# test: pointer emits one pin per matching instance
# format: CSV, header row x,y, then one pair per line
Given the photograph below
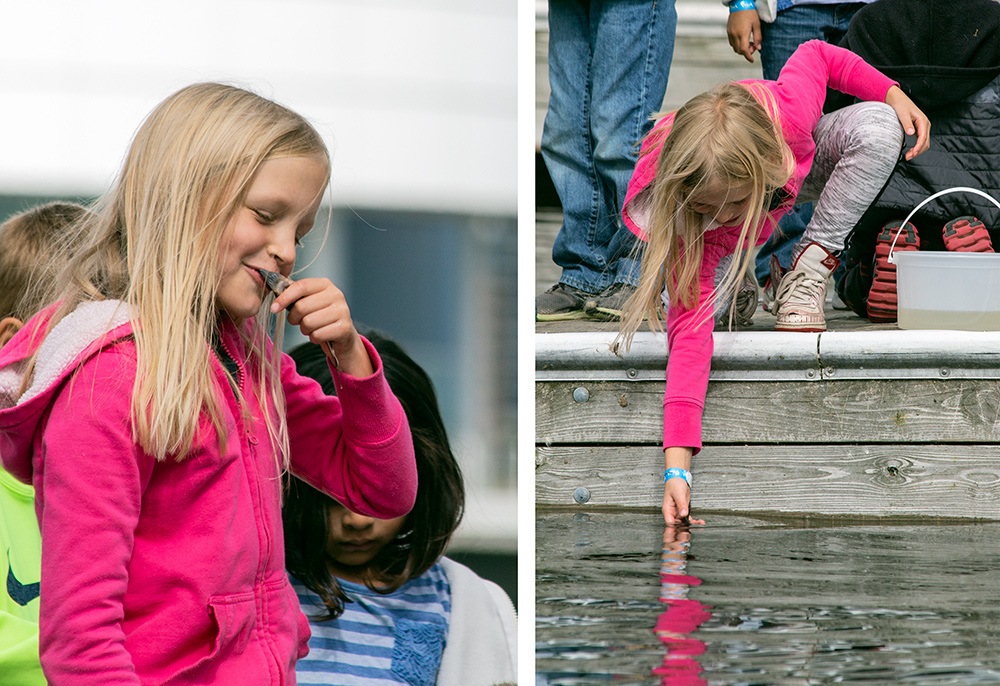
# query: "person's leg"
x,y
779,39
633,47
566,145
856,150
791,28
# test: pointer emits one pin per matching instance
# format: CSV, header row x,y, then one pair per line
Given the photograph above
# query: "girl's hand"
x,y
913,120
320,311
676,492
743,28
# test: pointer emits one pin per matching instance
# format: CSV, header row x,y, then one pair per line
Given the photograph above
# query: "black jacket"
x,y
945,54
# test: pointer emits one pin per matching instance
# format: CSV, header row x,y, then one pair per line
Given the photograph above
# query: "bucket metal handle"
x,y
956,189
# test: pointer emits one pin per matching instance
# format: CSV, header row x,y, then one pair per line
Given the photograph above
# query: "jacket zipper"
x,y
263,620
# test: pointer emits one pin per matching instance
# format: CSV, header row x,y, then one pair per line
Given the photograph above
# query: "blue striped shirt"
x,y
380,639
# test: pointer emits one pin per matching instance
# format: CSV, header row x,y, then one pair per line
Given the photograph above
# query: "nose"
x,y
282,246
353,520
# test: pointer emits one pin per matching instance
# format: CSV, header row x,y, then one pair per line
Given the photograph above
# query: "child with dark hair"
x,y
385,606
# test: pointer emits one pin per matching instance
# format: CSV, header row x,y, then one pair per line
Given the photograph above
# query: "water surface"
x,y
745,601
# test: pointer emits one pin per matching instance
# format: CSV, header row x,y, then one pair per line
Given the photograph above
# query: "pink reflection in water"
x,y
682,617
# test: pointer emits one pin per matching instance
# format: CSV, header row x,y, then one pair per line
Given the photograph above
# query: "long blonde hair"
x,y
155,242
728,135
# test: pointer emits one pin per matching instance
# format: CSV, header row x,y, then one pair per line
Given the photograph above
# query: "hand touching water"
x,y
676,492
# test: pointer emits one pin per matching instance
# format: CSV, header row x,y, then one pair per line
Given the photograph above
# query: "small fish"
x,y
277,285
275,281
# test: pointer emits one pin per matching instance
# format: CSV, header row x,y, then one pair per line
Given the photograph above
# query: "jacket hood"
x,y
940,51
89,328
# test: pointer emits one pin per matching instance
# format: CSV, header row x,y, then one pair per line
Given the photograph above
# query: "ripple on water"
x,y
777,603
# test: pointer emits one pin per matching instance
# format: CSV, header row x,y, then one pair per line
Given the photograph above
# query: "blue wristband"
x,y
675,473
739,5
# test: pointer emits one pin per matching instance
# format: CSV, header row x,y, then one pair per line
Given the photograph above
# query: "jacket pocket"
x,y
234,617
234,614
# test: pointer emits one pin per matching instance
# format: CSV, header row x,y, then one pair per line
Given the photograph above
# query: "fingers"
x,y
743,31
318,308
676,497
923,129
913,120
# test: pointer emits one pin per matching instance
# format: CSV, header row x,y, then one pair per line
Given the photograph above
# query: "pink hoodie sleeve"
x,y
356,447
92,476
689,339
802,83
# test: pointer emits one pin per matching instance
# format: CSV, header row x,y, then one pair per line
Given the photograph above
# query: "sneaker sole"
x,y
561,316
966,234
604,315
882,300
805,328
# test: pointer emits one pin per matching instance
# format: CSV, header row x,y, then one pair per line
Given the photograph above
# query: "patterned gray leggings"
x,y
856,150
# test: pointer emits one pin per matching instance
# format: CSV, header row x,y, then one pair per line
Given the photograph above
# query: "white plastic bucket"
x,y
947,290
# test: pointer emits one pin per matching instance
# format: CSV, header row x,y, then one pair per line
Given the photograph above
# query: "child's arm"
x,y
356,446
92,479
689,338
813,67
803,81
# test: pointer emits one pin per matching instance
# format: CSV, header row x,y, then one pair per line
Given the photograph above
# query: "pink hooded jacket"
x,y
798,93
173,572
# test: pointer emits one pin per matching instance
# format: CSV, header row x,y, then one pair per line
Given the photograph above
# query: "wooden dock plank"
x,y
869,411
852,480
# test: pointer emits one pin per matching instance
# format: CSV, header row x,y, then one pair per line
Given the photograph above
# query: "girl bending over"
x,y
714,178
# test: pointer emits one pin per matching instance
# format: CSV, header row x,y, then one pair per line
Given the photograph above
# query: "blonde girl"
x,y
154,415
714,178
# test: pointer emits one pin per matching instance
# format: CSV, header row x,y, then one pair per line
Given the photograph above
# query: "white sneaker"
x,y
801,295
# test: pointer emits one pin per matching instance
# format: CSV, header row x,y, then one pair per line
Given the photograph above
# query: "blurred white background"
x,y
417,102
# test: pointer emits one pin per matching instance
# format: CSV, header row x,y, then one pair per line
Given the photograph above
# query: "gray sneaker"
x,y
747,298
608,304
746,304
561,302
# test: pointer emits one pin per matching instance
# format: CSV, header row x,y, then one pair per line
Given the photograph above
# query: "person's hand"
x,y
676,503
743,29
676,492
913,120
320,311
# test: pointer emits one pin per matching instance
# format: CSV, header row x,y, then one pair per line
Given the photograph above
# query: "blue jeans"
x,y
608,67
791,28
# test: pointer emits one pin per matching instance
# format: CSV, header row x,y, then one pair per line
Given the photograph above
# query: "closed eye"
x,y
262,216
